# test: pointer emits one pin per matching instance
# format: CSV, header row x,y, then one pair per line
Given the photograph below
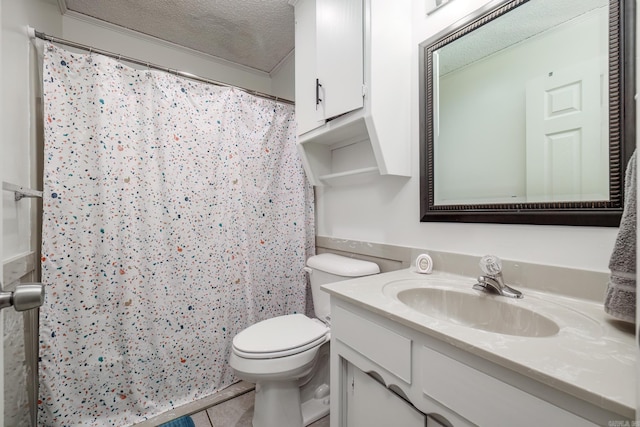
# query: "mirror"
x,y
527,113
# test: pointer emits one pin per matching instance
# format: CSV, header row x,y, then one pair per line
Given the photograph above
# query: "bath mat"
x,y
180,422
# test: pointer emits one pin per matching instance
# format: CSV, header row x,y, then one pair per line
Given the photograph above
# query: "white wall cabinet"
x,y
339,53
353,63
440,385
308,116
329,60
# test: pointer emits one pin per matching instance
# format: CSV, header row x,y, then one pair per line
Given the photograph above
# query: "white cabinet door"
x,y
340,53
308,116
370,404
329,60
471,394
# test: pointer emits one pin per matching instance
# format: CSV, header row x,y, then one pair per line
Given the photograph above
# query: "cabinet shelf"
x,y
349,127
349,176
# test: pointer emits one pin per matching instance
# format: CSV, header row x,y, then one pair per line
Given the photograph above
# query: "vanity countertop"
x,y
598,366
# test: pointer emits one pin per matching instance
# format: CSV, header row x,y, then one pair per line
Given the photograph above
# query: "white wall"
x,y
17,134
283,77
387,210
17,140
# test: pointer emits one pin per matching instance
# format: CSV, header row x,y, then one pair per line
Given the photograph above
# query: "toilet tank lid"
x,y
342,266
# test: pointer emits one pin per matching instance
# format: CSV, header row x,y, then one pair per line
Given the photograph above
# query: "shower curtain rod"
x,y
37,34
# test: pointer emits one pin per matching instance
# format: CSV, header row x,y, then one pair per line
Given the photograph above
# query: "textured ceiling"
x,y
528,20
255,33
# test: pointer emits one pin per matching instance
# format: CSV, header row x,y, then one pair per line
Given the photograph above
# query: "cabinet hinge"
x,y
364,90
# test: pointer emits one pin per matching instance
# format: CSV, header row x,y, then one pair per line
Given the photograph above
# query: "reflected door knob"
x,y
25,297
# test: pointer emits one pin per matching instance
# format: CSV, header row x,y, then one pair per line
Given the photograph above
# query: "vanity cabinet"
x,y
370,404
437,383
352,88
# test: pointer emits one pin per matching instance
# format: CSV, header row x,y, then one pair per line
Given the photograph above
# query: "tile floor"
x,y
230,407
236,412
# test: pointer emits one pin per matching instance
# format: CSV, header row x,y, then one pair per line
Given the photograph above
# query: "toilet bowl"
x,y
287,357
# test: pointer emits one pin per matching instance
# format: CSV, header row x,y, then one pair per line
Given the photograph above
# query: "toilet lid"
x,y
280,336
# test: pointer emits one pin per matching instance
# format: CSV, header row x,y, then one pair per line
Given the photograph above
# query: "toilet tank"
x,y
329,268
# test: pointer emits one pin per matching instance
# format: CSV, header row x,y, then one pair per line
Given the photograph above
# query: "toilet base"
x,y
314,409
278,404
295,397
315,392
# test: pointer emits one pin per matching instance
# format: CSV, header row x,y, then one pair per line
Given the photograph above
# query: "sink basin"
x,y
443,301
486,312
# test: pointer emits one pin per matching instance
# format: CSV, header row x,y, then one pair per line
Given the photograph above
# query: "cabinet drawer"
x,y
386,348
485,400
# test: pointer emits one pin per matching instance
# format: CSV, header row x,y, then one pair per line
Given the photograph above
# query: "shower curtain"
x,y
176,214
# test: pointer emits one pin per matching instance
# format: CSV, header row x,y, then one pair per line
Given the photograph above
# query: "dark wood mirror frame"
x,y
622,132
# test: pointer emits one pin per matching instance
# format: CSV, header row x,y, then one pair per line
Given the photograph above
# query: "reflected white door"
x,y
567,134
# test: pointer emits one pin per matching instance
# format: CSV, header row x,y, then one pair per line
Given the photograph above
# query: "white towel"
x,y
620,299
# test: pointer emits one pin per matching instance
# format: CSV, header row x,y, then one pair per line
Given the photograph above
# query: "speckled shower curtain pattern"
x,y
175,214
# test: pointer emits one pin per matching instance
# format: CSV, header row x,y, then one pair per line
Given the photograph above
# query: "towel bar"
x,y
21,192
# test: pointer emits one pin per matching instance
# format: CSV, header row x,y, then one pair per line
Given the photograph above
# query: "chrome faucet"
x,y
492,280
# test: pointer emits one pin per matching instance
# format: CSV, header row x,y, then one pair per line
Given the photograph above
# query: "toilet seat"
x,y
279,337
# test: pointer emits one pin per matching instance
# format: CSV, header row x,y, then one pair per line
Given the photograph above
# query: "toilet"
x,y
287,357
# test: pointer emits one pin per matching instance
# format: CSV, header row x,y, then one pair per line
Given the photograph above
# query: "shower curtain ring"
x,y
119,65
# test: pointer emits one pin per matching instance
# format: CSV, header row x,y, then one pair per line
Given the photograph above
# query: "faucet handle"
x,y
491,264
